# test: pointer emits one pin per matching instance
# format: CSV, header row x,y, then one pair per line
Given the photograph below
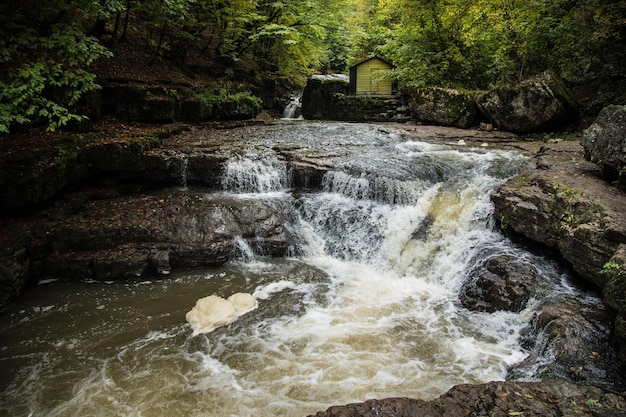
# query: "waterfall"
x,y
184,169
366,306
292,109
243,251
255,174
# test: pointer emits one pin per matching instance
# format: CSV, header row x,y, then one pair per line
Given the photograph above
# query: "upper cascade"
x,y
255,174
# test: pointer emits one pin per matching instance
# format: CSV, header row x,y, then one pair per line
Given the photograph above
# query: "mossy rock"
x,y
615,297
443,106
540,103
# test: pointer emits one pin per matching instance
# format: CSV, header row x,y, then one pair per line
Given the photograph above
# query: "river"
x,y
366,305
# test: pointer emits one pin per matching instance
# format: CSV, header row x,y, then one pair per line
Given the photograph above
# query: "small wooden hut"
x,y
371,77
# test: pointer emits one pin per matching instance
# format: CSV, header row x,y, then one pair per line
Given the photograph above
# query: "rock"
x,y
501,283
364,108
561,206
537,104
561,203
14,274
605,143
317,97
26,182
615,296
143,104
158,104
148,234
548,398
558,332
441,106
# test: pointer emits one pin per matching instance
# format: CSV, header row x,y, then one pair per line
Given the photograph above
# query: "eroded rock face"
x,y
615,295
536,104
503,283
158,104
549,398
133,236
563,203
605,143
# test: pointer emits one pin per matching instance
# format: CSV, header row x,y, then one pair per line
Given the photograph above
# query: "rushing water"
x,y
367,306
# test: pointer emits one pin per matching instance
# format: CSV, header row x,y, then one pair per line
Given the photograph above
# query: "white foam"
x,y
213,311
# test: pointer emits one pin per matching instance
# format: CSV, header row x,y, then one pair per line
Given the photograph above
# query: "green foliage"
x,y
45,54
485,43
610,269
223,91
47,47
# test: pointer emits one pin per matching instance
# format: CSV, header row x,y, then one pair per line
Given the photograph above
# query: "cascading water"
x,y
292,109
258,174
368,309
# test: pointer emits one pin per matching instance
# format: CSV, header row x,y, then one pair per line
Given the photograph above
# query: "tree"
x,y
45,53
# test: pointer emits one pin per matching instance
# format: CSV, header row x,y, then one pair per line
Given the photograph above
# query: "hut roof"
x,y
373,57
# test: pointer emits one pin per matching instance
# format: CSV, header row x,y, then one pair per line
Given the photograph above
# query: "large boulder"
x,y
317,98
442,106
571,340
539,103
502,283
605,143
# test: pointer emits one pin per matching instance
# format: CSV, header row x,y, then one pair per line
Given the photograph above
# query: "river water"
x,y
365,307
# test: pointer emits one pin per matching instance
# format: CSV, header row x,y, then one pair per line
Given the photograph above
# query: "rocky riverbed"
x,y
102,215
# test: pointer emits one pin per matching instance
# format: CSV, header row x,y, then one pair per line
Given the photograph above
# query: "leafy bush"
x,y
45,59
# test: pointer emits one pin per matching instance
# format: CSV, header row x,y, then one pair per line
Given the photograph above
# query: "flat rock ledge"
x,y
547,398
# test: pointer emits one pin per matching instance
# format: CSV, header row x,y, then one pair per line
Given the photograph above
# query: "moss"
x,y
615,291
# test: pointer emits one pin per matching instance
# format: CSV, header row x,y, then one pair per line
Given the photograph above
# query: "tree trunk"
x,y
126,17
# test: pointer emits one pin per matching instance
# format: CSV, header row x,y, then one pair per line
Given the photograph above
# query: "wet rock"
x,y
14,274
502,283
550,398
537,104
572,340
446,107
149,234
564,204
615,295
605,143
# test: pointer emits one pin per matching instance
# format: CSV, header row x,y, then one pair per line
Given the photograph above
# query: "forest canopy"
x,y
47,49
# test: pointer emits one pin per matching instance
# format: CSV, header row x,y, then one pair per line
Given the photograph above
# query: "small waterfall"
x,y
292,109
184,169
374,187
243,251
255,174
